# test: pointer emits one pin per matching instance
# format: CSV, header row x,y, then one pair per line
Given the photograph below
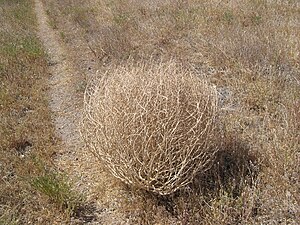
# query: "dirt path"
x,y
100,189
62,81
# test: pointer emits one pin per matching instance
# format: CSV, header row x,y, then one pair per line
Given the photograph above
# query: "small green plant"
x,y
62,35
256,19
2,69
228,17
81,86
48,12
55,187
52,24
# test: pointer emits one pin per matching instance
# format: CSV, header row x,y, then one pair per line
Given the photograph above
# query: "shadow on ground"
x,y
235,168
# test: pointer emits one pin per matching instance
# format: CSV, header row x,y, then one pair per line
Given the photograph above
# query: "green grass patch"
x,y
55,187
28,45
228,17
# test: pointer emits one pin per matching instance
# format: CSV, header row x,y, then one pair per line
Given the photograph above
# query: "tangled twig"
x,y
152,126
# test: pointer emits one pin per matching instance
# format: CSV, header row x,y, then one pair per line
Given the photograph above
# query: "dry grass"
x,y
28,140
154,128
250,51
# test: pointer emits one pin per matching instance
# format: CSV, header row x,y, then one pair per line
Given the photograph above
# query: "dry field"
x,y
32,191
248,49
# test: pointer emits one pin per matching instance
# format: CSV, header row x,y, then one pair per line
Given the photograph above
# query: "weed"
x,y
56,188
256,19
1,68
228,17
173,116
62,35
81,86
52,24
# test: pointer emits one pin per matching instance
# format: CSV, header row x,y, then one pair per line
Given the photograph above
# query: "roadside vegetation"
x,y
32,191
250,51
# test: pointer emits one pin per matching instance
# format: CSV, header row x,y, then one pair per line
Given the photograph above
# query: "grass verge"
x,y
29,192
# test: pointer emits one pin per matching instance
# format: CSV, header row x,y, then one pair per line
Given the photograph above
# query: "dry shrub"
x,y
153,127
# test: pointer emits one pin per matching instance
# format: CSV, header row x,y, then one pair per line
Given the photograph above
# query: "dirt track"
x,y
66,104
62,91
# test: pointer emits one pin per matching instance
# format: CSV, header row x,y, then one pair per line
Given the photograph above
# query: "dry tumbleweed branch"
x,y
152,126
